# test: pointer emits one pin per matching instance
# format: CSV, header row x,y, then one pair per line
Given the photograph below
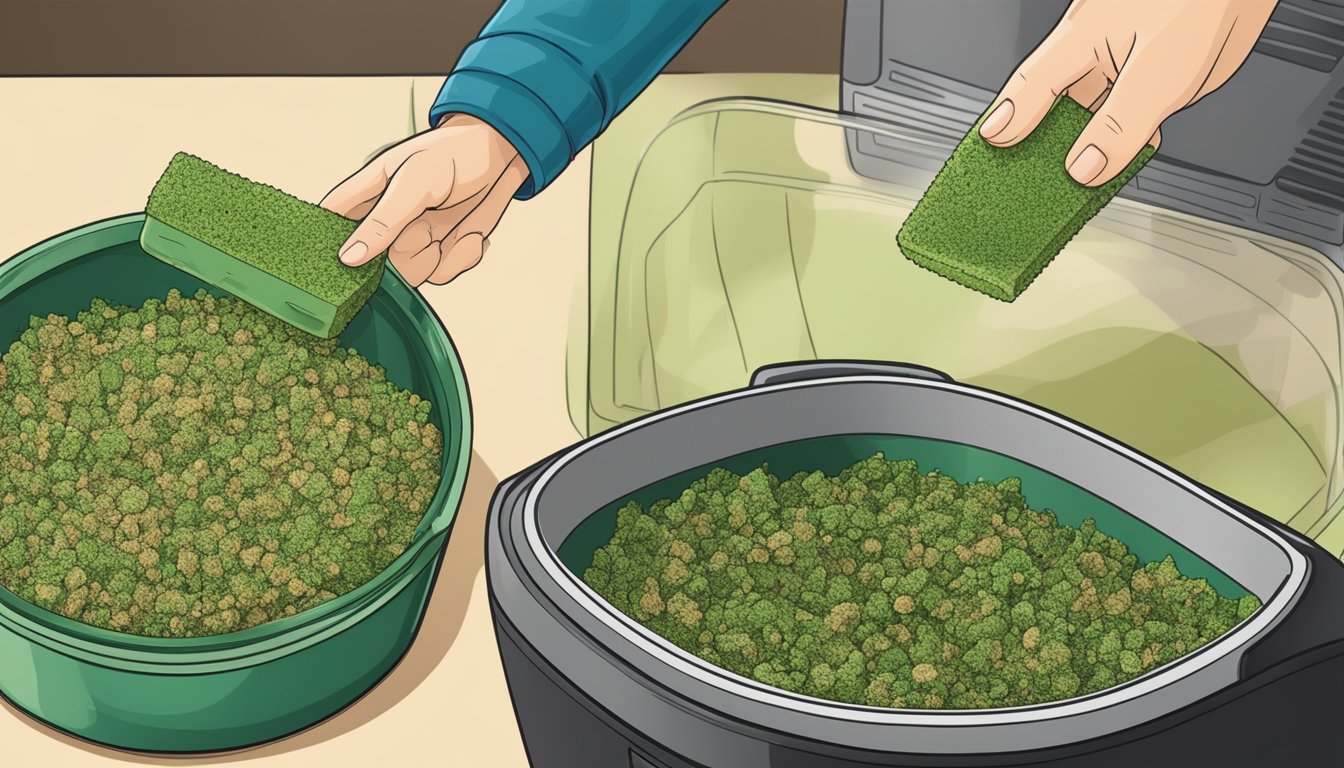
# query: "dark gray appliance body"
x,y
590,688
1266,151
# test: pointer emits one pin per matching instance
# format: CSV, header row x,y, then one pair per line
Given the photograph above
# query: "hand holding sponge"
x,y
994,217
266,247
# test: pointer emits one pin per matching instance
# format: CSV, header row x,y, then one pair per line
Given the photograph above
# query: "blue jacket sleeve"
x,y
550,75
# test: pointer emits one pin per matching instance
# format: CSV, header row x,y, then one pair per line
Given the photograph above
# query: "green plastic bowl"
x,y
244,688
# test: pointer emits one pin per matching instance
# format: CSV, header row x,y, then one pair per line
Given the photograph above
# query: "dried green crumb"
x,y
900,589
195,467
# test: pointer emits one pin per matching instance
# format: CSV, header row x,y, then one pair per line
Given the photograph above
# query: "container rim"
x,y
293,633
683,663
795,111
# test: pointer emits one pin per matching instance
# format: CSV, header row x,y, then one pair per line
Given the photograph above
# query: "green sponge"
x,y
266,247
994,217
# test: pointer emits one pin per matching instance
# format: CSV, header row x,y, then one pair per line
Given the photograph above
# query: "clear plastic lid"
x,y
748,239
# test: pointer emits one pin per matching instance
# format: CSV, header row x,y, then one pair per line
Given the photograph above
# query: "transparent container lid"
x,y
748,239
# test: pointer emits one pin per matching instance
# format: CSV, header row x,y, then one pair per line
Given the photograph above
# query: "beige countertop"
x,y
76,150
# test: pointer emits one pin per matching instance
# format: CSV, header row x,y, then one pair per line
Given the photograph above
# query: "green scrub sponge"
x,y
994,217
264,246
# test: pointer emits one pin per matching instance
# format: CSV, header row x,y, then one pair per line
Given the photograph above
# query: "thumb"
x,y
356,192
404,200
1122,126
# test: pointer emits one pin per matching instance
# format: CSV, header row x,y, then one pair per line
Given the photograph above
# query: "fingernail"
x,y
354,253
997,120
1088,165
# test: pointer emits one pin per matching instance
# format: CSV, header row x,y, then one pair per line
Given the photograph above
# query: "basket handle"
x,y
781,373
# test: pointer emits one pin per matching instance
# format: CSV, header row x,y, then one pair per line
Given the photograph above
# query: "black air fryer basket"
x,y
591,687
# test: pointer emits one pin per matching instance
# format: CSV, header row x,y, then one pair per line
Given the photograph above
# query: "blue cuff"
x,y
534,93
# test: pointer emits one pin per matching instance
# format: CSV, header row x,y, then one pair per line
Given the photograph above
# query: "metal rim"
x,y
683,663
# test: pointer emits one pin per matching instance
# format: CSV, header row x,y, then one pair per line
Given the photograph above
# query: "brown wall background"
x,y
357,37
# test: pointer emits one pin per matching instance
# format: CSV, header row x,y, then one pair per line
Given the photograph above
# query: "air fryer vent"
x,y
1309,34
1279,172
1318,162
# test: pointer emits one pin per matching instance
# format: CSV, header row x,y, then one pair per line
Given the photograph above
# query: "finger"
x,y
404,200
361,210
1028,95
1143,96
412,240
1090,90
354,196
359,190
442,221
467,251
416,268
480,222
430,229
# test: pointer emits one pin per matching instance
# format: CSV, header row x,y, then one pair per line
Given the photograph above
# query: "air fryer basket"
x,y
643,694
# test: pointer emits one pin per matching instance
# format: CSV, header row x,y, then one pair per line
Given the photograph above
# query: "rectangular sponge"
x,y
994,217
266,247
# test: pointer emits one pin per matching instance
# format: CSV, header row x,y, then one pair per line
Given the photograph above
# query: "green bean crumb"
x,y
195,467
888,587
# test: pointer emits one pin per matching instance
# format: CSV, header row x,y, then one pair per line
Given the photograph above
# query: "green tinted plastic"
x,y
229,691
963,463
747,238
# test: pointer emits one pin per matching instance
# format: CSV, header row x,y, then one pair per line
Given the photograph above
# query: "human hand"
x,y
1134,63
431,201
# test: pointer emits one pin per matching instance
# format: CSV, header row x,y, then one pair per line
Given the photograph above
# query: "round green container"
x,y
245,688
